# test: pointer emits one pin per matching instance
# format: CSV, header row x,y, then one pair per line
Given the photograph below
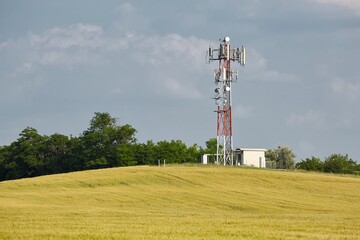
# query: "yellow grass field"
x,y
181,202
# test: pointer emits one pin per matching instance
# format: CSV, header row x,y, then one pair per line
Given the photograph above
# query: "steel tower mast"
x,y
223,77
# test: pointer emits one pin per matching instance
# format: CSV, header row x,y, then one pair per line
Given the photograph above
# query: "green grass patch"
x,y
181,202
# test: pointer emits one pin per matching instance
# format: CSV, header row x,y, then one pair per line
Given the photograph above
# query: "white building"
x,y
208,158
252,157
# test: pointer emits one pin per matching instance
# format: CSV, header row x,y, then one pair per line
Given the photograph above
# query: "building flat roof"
x,y
252,149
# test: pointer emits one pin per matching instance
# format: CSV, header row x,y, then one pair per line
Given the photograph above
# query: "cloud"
x,y
241,111
79,43
175,63
351,4
257,69
126,8
346,89
163,59
179,90
167,58
310,118
70,46
3,45
78,35
170,48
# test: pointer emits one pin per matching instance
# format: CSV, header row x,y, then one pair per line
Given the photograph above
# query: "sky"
x,y
144,63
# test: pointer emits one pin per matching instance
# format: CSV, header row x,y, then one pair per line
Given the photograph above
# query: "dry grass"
x,y
181,202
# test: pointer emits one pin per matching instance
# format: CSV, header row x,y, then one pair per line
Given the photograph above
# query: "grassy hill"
x,y
181,202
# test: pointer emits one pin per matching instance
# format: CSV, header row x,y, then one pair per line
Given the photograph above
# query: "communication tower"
x,y
223,77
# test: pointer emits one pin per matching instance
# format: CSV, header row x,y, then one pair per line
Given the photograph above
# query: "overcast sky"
x,y
144,63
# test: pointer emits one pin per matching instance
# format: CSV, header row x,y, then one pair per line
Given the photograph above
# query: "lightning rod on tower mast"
x,y
223,77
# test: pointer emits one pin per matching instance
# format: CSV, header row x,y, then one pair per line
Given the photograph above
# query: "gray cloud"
x,y
351,4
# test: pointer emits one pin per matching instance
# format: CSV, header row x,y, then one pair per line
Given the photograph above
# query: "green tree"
x,y
337,163
4,152
172,152
176,151
25,157
74,159
311,164
56,150
211,146
145,154
103,139
194,153
283,157
127,155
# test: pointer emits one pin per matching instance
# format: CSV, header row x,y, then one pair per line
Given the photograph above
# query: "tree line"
x,y
335,163
104,144
284,158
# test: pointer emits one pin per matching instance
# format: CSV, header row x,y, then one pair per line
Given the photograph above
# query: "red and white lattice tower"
x,y
224,76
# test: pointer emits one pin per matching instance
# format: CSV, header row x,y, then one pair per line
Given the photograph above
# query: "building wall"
x,y
204,159
253,157
208,158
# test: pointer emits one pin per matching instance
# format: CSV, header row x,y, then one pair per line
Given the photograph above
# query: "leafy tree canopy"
x,y
311,164
211,146
105,143
337,163
283,157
